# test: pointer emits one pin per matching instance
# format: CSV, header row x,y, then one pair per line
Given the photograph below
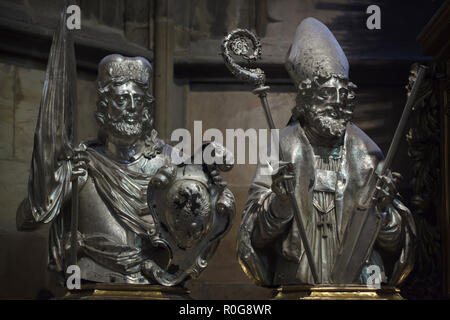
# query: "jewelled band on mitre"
x,y
119,69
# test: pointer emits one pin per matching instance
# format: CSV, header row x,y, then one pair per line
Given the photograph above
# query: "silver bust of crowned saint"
x,y
331,165
141,217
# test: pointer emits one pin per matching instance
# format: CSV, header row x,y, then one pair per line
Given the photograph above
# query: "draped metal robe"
x,y
270,249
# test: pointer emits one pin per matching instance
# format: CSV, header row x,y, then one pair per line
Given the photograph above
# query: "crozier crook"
x,y
237,43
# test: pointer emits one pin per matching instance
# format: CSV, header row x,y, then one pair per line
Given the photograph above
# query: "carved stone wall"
x,y
182,39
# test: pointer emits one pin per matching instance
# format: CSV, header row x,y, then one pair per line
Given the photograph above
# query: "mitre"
x,y
315,52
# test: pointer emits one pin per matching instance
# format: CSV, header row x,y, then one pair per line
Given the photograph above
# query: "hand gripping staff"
x,y
237,43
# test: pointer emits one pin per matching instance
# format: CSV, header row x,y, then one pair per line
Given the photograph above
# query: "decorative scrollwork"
x,y
240,47
238,43
423,141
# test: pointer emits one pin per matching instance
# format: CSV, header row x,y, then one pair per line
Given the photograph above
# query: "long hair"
x,y
104,100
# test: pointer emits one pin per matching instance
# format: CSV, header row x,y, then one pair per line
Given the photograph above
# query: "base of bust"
x,y
118,291
336,292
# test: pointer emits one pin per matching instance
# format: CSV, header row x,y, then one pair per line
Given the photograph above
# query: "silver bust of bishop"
x,y
329,160
143,218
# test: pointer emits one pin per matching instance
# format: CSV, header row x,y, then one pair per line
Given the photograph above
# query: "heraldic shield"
x,y
191,214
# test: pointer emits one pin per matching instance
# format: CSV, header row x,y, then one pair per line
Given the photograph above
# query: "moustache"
x,y
126,128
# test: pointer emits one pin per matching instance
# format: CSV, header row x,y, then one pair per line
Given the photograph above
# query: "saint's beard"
x,y
122,129
330,127
326,126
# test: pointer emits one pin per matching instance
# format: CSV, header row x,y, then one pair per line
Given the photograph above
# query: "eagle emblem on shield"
x,y
191,213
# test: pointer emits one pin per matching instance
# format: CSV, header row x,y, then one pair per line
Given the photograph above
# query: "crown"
x,y
119,69
315,52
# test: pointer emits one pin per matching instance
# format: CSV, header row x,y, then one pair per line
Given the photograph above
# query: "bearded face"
x,y
328,112
126,112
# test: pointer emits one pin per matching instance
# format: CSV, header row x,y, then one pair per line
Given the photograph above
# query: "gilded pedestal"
x,y
336,292
110,291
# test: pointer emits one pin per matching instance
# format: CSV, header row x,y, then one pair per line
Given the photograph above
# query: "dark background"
x,y
182,40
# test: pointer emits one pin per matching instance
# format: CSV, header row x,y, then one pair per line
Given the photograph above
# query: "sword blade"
x,y
403,120
365,222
